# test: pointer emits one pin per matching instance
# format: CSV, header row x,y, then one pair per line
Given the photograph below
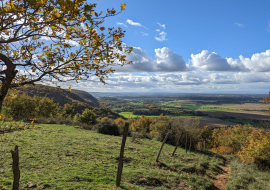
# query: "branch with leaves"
x,y
56,40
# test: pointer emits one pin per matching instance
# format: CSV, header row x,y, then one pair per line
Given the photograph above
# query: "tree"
x,y
56,41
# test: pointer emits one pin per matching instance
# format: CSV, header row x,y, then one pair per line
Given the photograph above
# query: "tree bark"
x,y
165,139
204,144
120,163
15,168
10,73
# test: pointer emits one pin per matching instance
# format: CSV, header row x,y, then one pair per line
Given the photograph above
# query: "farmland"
x,y
213,110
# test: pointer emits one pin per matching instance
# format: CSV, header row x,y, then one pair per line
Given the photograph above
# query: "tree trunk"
x,y
165,139
120,163
204,144
10,73
186,143
15,168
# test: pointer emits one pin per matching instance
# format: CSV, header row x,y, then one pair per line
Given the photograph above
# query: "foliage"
x,y
231,140
257,148
142,124
107,128
87,117
24,107
160,127
68,111
56,41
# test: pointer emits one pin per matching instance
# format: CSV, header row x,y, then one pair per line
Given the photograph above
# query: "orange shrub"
x,y
257,147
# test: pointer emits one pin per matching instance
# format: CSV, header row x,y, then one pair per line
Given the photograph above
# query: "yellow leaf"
x,y
69,88
123,6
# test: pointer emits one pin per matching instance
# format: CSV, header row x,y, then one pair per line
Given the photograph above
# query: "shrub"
x,y
257,148
230,141
107,128
87,117
142,124
68,111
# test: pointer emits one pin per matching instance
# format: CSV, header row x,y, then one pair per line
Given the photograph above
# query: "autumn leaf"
x,y
123,6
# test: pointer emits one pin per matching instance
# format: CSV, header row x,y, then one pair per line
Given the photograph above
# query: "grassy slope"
x,y
247,177
65,157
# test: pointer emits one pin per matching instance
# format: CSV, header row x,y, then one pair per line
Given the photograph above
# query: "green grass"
x,y
205,108
191,106
247,177
130,114
65,157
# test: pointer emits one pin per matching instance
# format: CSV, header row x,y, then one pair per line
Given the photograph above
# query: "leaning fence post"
x,y
189,143
15,168
120,163
165,139
186,143
177,144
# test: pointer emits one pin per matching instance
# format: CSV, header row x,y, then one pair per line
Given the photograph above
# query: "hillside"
x,y
65,157
80,99
62,96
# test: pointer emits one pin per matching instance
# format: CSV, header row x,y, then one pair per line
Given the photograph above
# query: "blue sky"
x,y
192,46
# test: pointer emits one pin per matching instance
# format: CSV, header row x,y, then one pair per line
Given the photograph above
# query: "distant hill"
x,y
79,98
62,96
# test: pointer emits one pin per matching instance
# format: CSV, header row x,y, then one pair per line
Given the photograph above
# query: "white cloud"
x,y
161,25
161,37
121,24
157,30
240,25
259,62
133,23
144,34
213,62
165,60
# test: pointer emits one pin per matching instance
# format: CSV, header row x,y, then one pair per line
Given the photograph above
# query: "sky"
x,y
191,46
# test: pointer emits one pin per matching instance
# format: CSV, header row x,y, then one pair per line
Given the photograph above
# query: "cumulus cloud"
x,y
161,25
121,24
165,60
211,61
161,37
240,25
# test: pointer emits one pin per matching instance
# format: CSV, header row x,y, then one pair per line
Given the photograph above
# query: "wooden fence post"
x,y
189,143
165,139
120,161
186,143
15,168
177,144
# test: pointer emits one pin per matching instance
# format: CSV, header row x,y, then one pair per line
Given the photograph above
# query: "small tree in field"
x,y
56,40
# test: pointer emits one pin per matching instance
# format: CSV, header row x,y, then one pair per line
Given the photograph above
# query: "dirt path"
x,y
223,178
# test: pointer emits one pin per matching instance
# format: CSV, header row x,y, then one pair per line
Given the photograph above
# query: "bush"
x,y
107,128
257,148
87,117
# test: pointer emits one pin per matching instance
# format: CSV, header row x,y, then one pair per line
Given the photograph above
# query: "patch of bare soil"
x,y
223,178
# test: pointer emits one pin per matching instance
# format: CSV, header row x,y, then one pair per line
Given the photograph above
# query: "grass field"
x,y
65,157
130,114
207,108
191,106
